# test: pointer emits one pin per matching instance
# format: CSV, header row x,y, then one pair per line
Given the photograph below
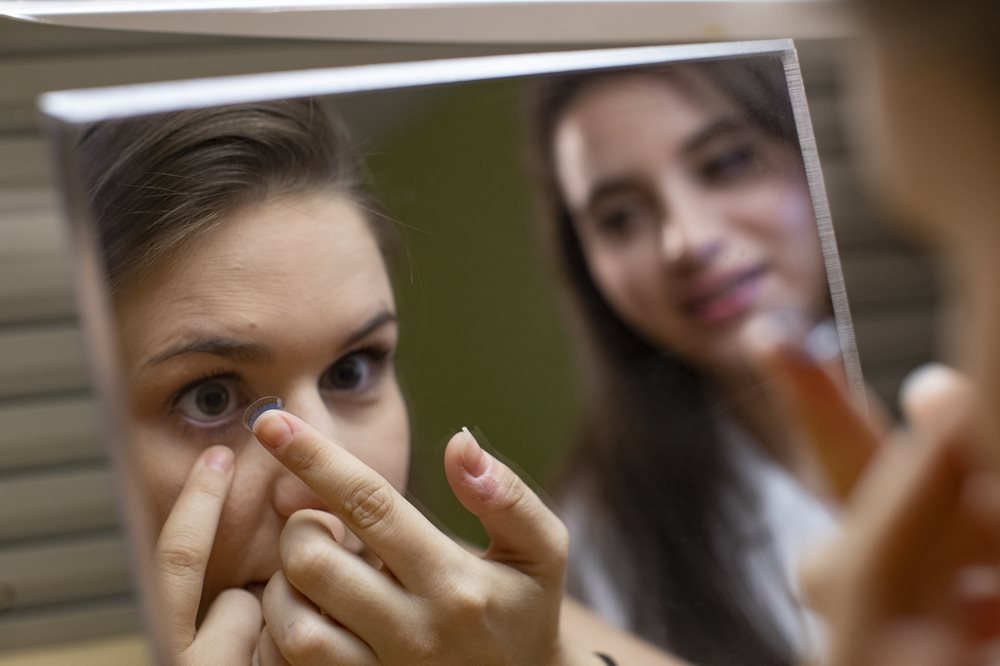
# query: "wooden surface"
x,y
126,650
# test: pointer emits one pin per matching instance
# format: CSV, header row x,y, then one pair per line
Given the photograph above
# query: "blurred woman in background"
x,y
677,201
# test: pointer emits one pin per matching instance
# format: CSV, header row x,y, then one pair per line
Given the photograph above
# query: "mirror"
x,y
577,241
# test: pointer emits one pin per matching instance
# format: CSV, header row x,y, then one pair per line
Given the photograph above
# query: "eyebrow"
x,y
721,126
252,352
628,183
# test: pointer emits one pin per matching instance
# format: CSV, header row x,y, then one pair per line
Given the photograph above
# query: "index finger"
x,y
840,435
406,542
186,540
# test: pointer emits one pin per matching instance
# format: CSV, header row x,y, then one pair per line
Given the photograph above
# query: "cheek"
x,y
162,470
777,210
779,220
628,277
388,433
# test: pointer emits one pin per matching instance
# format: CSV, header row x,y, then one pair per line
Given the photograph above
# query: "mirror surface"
x,y
577,243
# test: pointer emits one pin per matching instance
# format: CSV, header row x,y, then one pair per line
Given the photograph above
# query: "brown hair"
x,y
650,462
157,184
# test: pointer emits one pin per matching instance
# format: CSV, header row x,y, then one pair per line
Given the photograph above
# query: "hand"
x,y
432,602
228,634
912,579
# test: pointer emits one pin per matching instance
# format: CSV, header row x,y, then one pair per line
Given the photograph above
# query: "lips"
x,y
720,297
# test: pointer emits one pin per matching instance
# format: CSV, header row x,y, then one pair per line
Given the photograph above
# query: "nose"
x,y
291,493
691,233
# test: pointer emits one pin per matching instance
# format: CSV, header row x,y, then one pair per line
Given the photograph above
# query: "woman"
x,y
245,257
680,212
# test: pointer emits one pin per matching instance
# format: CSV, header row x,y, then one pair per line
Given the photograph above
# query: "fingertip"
x,y
927,381
258,407
471,472
273,429
474,460
219,458
937,400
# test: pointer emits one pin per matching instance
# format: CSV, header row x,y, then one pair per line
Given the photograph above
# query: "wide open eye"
x,y
210,401
356,372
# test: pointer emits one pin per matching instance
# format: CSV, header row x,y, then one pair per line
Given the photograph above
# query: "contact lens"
x,y
258,407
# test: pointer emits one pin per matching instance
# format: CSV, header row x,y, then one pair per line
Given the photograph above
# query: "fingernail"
x,y
258,407
221,459
274,431
474,459
928,377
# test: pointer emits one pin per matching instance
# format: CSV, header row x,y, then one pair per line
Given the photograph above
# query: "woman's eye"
x,y
210,401
618,222
730,164
357,371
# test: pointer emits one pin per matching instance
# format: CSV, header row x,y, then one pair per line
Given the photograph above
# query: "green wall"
x,y
483,340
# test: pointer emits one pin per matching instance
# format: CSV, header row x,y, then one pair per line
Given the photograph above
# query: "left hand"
x,y
433,602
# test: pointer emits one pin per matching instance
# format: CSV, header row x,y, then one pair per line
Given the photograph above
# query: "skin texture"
x,y
299,279
674,196
294,545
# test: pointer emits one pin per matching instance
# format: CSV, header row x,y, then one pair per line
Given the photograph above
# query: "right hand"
x,y
912,580
229,631
433,602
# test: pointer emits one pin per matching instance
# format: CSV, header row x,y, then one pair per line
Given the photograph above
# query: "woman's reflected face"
x,y
288,298
692,220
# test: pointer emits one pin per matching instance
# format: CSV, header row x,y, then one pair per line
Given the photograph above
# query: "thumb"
x,y
523,532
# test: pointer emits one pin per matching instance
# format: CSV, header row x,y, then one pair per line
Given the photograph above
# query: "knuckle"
x,y
179,556
470,601
511,492
306,564
313,460
466,599
304,641
368,506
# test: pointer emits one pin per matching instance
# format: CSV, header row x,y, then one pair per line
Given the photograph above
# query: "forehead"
x,y
288,269
619,122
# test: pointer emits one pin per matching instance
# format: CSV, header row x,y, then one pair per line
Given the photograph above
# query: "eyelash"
x,y
175,399
378,355
731,163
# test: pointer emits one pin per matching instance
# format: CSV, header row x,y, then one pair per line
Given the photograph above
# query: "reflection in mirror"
x,y
395,264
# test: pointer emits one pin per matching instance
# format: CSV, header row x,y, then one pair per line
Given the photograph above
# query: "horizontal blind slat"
x,y
35,574
39,359
52,502
48,431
